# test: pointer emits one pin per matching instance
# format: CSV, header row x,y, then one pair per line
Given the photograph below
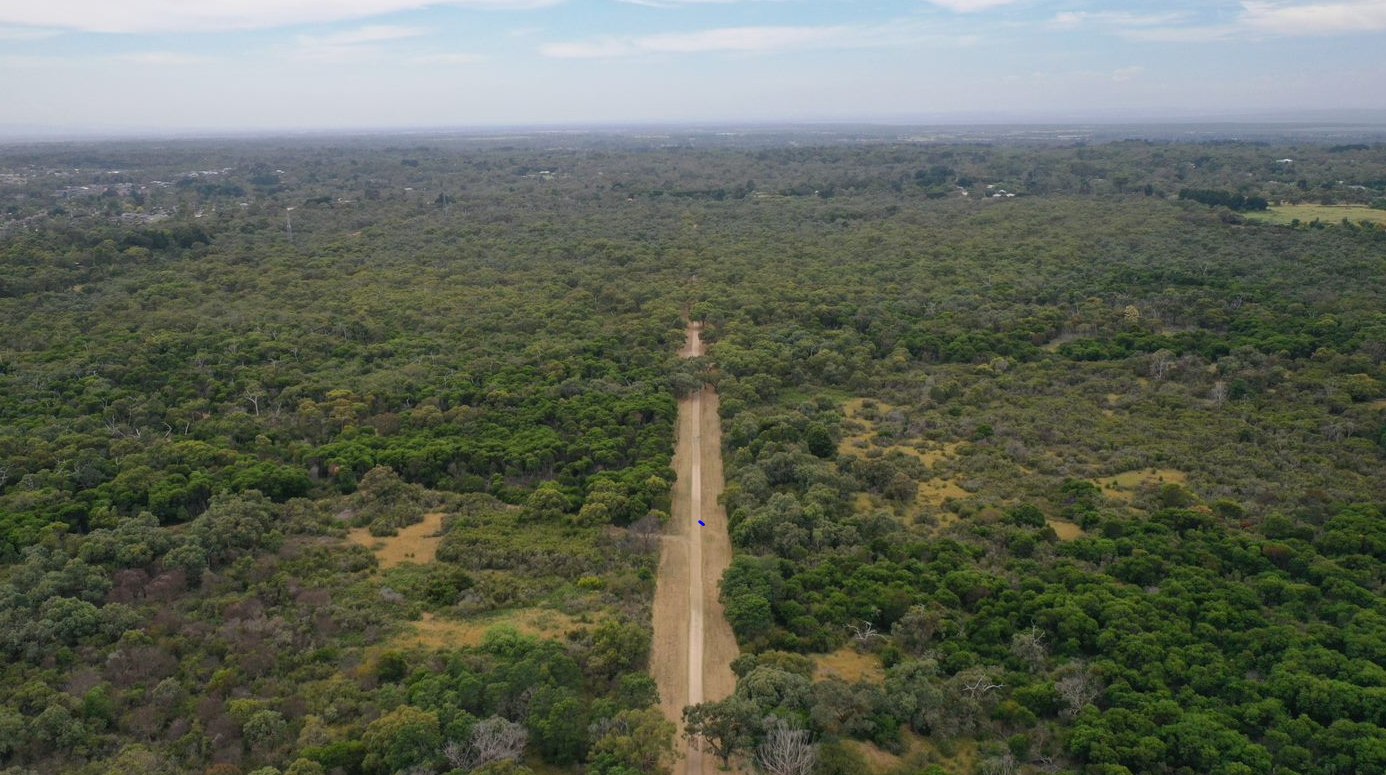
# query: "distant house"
x,y
135,219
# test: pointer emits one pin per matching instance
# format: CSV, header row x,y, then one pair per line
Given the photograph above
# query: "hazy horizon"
x,y
157,67
1321,126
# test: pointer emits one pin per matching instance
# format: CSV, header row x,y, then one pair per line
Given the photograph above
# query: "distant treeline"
x,y
1228,199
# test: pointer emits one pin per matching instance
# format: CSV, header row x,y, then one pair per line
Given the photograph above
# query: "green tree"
x,y
546,504
640,740
616,648
723,728
558,725
402,738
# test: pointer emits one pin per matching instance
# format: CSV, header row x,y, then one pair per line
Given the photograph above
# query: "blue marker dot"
x,y
700,522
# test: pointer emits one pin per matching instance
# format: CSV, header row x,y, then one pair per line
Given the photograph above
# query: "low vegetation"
x,y
1083,480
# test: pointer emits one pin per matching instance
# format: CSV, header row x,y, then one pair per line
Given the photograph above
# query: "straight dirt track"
x,y
693,644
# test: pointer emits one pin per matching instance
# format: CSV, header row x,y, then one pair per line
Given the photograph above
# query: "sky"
x,y
251,65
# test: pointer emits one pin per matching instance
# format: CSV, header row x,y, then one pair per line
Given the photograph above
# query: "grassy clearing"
x,y
1284,215
1067,531
860,413
861,441
849,665
937,492
417,543
1124,485
433,633
960,756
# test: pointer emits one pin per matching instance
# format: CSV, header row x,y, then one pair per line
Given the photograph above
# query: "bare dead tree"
x,y
1039,743
492,740
979,687
645,532
1079,689
1004,764
1161,365
787,751
1028,646
864,634
1218,395
1339,430
517,706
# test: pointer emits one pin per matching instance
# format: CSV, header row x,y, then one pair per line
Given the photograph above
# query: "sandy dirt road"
x,y
693,644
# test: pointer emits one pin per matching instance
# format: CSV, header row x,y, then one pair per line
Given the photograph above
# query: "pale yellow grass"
x,y
432,632
416,543
860,444
1067,531
1328,214
936,492
1124,485
849,665
916,749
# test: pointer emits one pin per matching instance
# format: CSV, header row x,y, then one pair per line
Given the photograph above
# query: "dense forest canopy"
x,y
1082,474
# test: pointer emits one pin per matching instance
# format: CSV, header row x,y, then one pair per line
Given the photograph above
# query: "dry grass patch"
x,y
1329,214
540,767
434,633
947,519
849,665
1124,485
1067,531
862,443
876,759
919,752
936,492
417,543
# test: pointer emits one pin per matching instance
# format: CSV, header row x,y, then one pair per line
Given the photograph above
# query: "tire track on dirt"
x,y
693,644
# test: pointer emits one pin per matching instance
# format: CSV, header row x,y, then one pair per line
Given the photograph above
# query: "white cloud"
x,y
748,40
742,39
1315,18
22,61
1261,19
27,33
1076,19
448,59
1189,34
970,6
371,33
672,3
161,58
1123,74
351,45
137,16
